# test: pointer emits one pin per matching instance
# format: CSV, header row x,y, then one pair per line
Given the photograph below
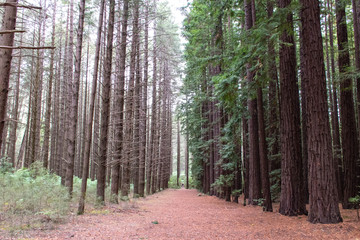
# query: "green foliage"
x,y
5,166
182,181
355,200
173,183
33,191
236,193
222,182
90,192
275,180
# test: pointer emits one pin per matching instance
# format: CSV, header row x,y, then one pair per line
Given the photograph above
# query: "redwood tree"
x,y
350,148
323,194
291,199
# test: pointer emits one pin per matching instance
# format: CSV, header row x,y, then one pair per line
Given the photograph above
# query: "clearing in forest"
x,y
185,214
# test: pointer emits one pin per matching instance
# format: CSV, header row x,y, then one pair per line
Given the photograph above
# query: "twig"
x,y
25,47
12,31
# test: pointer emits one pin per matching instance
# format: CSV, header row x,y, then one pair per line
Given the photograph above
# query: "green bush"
x,y
33,191
173,182
182,181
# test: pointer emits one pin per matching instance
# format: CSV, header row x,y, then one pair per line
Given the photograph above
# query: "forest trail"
x,y
184,214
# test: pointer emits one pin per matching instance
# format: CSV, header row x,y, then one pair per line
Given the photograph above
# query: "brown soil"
x,y
185,214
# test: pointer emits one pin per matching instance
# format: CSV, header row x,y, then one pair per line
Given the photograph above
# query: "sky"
x,y
175,6
178,17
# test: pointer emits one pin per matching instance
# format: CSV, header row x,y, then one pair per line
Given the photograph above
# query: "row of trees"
x,y
269,107
86,98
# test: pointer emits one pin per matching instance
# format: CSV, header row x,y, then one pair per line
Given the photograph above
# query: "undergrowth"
x,y
33,198
182,182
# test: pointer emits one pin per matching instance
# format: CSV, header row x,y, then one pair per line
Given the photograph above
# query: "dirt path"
x,y
182,214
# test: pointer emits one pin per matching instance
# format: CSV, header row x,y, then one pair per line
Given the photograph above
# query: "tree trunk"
x,y
349,139
273,112
143,116
119,99
254,158
15,112
74,95
8,23
263,150
137,100
105,108
178,155
324,206
128,135
88,137
49,97
151,166
291,199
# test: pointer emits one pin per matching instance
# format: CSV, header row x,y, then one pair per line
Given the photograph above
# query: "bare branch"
x,y
25,47
12,31
18,5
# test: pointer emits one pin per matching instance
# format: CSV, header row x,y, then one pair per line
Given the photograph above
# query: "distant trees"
x,y
108,140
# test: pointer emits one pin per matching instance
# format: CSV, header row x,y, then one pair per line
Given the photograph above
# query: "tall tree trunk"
x,y
119,99
291,199
264,161
178,155
15,112
105,108
254,158
349,139
64,111
324,207
8,23
151,166
88,137
143,116
74,95
273,112
85,112
36,101
128,135
137,100
49,96
357,57
335,123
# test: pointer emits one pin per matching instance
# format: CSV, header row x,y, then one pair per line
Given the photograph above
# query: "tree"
x,y
151,165
350,148
49,96
323,201
105,107
143,113
178,155
88,137
254,157
119,99
128,134
291,199
74,95
8,23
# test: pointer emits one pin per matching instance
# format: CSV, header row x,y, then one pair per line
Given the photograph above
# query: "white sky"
x,y
178,17
175,9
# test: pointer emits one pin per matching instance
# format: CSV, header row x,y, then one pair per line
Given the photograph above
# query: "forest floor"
x,y
185,214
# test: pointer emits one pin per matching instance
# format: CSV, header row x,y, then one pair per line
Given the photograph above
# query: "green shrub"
x,y
33,191
173,182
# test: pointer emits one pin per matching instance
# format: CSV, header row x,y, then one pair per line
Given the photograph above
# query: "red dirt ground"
x,y
183,214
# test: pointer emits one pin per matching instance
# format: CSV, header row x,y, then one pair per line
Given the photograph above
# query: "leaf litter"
x,y
182,214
